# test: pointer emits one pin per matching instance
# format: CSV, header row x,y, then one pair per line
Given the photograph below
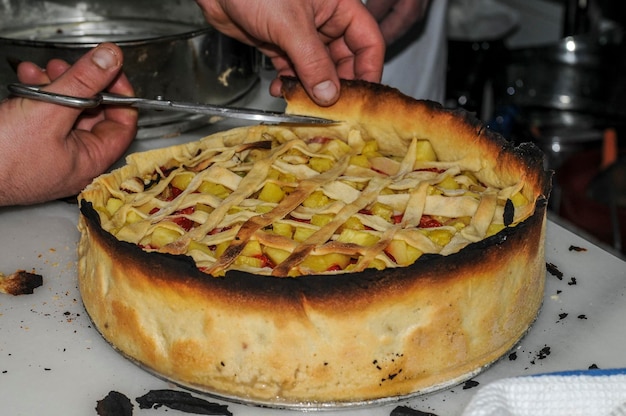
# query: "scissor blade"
x,y
35,92
215,110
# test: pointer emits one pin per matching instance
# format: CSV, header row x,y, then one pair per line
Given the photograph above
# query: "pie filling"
x,y
285,205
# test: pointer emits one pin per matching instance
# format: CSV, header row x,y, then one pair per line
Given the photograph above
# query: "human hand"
x,y
51,151
319,41
395,17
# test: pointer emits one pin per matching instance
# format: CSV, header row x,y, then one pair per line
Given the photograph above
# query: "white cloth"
x,y
588,393
420,69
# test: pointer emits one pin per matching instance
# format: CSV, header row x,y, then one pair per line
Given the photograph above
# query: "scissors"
x,y
35,92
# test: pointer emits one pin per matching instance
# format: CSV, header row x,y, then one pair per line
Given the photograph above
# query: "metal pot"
x,y
577,74
169,50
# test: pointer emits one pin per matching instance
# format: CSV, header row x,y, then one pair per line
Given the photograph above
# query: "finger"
x,y
89,75
97,150
314,66
283,67
124,116
368,48
343,58
380,8
116,130
120,85
56,67
401,18
29,73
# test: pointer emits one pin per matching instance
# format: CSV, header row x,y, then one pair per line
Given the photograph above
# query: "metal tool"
x,y
36,93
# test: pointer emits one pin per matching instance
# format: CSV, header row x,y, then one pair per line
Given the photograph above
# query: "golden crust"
x,y
394,119
328,339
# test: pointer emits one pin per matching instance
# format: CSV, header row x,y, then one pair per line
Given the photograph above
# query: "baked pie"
x,y
396,252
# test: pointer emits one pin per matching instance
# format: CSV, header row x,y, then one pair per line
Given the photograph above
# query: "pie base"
x,y
328,340
315,339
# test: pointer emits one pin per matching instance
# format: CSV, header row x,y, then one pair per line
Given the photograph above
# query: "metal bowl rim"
x,y
134,42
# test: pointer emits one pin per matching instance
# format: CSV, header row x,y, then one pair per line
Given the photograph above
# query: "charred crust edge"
x,y
324,287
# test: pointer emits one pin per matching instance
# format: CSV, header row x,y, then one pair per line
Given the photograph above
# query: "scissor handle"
x,y
36,93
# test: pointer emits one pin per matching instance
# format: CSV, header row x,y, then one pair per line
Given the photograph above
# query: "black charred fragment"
x,y
543,353
114,404
20,283
470,384
554,271
152,182
183,401
407,411
578,249
509,213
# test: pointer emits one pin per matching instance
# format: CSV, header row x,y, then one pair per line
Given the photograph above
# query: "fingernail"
x,y
325,91
104,57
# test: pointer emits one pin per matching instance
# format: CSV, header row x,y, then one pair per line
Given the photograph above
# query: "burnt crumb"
x,y
180,400
572,282
470,384
542,354
513,356
554,271
558,292
593,367
575,248
582,316
562,316
114,404
407,411
20,283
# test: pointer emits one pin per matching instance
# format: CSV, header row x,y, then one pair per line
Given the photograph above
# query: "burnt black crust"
x,y
173,269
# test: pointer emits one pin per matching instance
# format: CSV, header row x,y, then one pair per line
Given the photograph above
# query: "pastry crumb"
x,y
20,283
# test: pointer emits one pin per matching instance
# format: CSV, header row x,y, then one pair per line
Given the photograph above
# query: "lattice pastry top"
x,y
290,201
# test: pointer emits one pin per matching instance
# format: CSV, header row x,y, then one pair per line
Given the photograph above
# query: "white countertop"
x,y
53,362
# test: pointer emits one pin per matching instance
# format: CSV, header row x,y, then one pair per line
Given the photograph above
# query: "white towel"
x,y
571,393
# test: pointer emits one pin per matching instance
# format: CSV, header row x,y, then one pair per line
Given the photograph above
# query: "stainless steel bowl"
x,y
169,50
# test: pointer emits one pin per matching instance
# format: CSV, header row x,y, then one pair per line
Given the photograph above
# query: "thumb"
x,y
91,73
